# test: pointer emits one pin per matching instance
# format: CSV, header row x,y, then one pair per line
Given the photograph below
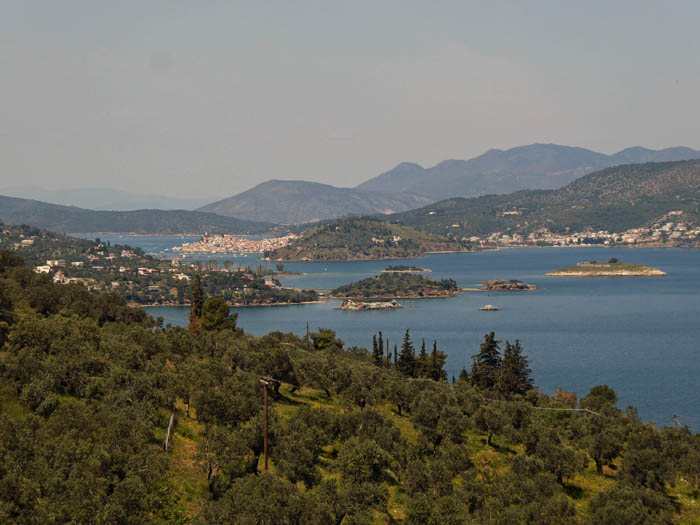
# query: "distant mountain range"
x,y
404,188
69,219
109,199
537,166
613,199
295,202
408,186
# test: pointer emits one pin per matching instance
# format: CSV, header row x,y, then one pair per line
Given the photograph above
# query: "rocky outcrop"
x,y
499,285
349,304
609,269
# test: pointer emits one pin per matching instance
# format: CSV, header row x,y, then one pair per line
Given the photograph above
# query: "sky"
x,y
210,98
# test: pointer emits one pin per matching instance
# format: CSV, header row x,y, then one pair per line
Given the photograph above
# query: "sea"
x,y
639,335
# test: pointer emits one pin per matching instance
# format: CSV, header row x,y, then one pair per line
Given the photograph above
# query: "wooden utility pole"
x,y
266,417
267,382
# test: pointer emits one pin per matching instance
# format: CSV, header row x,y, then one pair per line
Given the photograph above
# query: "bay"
x,y
641,336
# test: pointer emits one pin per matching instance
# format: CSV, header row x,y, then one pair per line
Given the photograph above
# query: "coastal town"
x,y
235,244
671,230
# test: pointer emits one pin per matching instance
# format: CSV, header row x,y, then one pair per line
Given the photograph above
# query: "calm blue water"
x,y
641,336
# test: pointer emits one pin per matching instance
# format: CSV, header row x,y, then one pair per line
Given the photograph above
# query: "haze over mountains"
x,y
537,166
109,199
69,219
407,186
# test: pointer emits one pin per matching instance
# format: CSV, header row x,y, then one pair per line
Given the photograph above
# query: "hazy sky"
x,y
208,98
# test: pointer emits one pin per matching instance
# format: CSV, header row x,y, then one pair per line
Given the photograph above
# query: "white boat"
x,y
489,308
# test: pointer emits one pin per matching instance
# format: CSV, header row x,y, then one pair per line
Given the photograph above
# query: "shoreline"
x,y
606,274
422,270
232,305
390,297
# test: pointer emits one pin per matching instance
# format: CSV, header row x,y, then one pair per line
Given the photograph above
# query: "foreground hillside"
x,y
295,202
71,219
362,239
615,199
108,417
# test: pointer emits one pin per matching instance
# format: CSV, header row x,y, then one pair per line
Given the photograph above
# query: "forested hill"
x,y
363,238
55,217
106,416
613,199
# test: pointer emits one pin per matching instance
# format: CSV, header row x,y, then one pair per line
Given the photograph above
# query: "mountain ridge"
x,y
293,202
533,166
71,219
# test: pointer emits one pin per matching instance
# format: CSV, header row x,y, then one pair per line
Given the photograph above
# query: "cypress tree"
x,y
378,350
395,355
463,375
514,375
407,357
486,364
437,360
197,298
422,364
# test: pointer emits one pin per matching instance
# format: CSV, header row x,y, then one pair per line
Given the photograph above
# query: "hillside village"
x,y
142,279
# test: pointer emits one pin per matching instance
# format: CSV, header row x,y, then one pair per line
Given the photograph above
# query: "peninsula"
x,y
363,239
397,285
612,268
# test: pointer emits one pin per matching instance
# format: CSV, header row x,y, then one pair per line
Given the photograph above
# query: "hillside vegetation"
x,y
109,417
363,238
614,199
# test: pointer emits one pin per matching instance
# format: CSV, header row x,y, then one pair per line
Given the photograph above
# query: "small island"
x,y
612,268
402,268
500,285
356,306
397,285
